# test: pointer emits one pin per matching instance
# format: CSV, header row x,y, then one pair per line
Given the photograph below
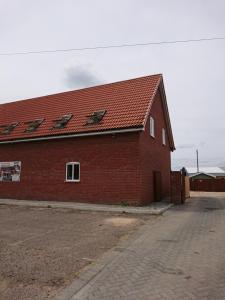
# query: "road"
x,y
180,256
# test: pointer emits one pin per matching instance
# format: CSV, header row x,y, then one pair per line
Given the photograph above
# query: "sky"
x,y
194,73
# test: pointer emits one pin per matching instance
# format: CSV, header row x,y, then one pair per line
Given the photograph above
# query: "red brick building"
x,y
104,144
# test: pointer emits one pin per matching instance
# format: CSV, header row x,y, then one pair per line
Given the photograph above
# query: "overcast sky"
x,y
194,73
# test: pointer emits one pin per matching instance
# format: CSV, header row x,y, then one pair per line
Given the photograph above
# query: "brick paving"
x,y
180,256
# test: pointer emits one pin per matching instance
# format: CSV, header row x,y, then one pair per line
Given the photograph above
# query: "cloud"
x,y
194,92
81,76
202,144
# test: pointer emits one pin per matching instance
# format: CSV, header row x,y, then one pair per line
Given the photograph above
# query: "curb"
x,y
87,207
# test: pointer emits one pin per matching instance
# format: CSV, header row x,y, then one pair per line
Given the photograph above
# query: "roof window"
x,y
62,122
7,129
33,125
96,117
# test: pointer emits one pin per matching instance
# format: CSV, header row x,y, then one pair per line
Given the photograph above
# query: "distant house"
x,y
104,144
205,173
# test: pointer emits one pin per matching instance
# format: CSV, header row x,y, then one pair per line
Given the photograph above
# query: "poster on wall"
x,y
10,171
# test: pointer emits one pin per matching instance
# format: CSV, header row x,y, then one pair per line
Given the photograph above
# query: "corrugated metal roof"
x,y
200,173
207,170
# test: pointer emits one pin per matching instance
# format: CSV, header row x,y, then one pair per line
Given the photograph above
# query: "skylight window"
x,y
33,125
7,129
96,117
62,122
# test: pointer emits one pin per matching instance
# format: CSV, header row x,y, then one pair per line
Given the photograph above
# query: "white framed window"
x,y
152,126
163,136
73,172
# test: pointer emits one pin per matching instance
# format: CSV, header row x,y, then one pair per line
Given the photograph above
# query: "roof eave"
x,y
84,134
167,116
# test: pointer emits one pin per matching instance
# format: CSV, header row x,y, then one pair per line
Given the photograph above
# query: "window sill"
x,y
72,181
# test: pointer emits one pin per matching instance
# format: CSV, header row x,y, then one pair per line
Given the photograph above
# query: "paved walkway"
x,y
155,208
180,256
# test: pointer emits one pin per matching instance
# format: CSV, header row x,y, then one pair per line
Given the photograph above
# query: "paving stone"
x,y
181,256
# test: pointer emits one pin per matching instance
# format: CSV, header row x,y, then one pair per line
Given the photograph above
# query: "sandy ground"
x,y
43,249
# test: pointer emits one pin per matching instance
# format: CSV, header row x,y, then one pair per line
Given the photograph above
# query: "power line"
x,y
111,46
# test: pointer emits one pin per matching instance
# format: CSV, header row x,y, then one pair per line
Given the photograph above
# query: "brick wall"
x,y
109,169
154,155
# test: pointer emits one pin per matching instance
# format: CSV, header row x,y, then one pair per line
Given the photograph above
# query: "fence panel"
x,y
208,185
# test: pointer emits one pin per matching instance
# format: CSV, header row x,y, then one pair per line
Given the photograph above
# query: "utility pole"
x,y
197,161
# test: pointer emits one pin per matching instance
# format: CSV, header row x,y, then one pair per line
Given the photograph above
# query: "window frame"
x,y
152,127
164,136
73,163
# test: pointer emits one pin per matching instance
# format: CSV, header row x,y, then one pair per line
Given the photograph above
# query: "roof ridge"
x,y
87,88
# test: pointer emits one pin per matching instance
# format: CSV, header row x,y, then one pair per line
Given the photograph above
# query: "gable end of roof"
x,y
160,87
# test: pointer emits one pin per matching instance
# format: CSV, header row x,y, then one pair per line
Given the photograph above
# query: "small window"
x,y
164,136
62,122
96,117
152,127
73,171
7,129
33,125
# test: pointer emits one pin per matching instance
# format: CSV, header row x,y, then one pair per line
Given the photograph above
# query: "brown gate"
x,y
157,178
179,187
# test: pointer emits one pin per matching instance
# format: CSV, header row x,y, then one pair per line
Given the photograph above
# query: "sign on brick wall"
x,y
10,171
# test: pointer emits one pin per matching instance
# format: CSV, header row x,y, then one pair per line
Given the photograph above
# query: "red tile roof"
x,y
126,102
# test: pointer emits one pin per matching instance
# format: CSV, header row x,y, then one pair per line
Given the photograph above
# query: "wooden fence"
x,y
208,185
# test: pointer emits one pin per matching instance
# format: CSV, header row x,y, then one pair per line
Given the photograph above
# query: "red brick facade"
x,y
108,169
154,155
114,169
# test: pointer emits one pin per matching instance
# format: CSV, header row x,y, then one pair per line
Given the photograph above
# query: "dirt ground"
x,y
43,249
